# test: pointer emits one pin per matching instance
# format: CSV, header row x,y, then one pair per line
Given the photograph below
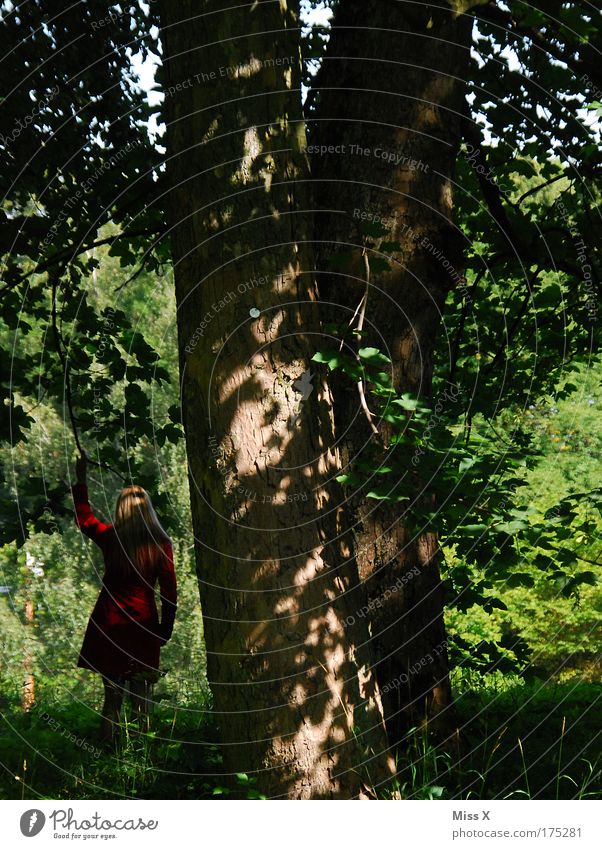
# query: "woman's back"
x,y
124,634
119,571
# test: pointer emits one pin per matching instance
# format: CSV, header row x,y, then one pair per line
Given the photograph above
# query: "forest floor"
x,y
535,741
540,740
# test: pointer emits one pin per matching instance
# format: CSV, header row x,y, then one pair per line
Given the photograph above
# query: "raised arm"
x,y
84,517
168,593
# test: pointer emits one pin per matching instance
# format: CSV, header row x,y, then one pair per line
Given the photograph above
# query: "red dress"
x,y
124,635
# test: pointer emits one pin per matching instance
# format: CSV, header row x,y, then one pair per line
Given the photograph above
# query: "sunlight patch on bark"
x,y
313,565
211,130
287,605
252,149
256,637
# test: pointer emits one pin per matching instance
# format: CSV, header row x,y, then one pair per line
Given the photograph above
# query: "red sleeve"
x,y
84,517
168,592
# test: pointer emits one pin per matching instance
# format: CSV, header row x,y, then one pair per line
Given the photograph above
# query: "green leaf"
x,y
386,494
406,402
373,356
350,479
511,528
472,529
520,579
333,359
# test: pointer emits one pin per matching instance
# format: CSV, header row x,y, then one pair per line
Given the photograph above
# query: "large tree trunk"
x,y
276,572
389,93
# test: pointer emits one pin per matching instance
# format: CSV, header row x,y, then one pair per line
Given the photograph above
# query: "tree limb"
x,y
69,254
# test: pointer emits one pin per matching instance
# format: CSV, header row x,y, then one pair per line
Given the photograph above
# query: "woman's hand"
x,y
81,467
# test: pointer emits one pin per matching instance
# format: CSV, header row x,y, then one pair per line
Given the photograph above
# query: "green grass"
x,y
536,741
178,759
539,741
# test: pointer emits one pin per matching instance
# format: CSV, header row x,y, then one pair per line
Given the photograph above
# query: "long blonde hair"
x,y
139,531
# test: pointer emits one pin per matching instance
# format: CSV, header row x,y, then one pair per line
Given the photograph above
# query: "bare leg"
x,y
141,693
110,710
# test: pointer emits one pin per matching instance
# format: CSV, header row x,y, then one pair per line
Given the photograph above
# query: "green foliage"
x,y
79,174
55,749
59,571
460,466
124,407
513,741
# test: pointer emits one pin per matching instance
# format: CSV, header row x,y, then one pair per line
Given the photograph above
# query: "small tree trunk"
x,y
295,704
389,94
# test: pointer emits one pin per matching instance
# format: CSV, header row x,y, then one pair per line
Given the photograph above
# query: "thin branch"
x,y
510,444
541,186
69,254
59,349
587,65
137,273
352,319
65,364
492,193
360,325
514,326
37,404
460,329
578,556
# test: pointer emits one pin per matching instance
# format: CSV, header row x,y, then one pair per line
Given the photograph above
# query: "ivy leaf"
x,y
386,494
406,402
373,356
333,359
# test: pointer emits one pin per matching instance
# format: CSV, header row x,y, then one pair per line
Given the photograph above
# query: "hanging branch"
x,y
65,364
504,346
148,253
63,360
360,325
353,317
67,255
468,300
360,312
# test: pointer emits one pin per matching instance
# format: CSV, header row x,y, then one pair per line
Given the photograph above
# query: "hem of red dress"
x,y
126,673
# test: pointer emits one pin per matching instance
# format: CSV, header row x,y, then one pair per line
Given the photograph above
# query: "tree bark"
x,y
389,94
294,702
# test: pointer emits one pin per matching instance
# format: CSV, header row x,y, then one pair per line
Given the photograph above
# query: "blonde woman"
x,y
124,636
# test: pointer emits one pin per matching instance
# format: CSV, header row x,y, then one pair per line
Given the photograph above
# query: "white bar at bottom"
x,y
151,823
